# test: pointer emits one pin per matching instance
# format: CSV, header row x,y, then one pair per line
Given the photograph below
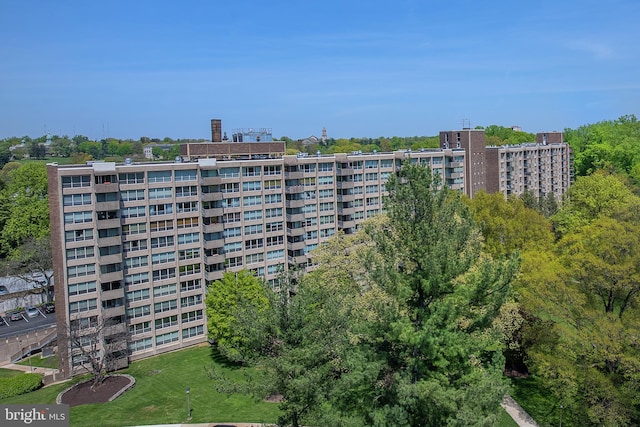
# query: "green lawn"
x,y
540,403
6,373
159,395
37,361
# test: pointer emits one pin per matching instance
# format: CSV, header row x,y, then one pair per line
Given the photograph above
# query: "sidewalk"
x,y
34,369
518,414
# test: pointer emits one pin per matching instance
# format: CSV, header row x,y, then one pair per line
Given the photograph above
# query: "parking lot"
x,y
10,328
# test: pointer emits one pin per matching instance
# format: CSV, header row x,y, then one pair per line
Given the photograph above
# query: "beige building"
x,y
137,244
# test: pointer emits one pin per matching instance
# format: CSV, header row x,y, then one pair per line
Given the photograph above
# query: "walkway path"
x,y
34,369
518,414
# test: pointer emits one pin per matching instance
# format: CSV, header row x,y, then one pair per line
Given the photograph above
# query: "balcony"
x,y
301,259
107,187
294,246
213,228
294,175
211,276
293,189
345,197
213,244
113,312
295,203
214,259
346,224
108,223
212,212
344,184
210,180
111,259
211,197
295,231
107,206
111,277
109,241
120,328
113,294
295,217
344,171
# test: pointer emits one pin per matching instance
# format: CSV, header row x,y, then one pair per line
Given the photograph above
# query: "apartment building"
x,y
137,244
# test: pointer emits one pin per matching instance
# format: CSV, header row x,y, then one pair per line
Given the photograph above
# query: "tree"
x,y
25,201
32,262
96,344
226,300
439,358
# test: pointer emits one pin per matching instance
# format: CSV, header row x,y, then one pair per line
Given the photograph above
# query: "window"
x,y
163,274
189,269
186,175
272,198
81,270
372,176
166,322
229,172
371,164
163,306
186,207
84,305
372,189
79,253
327,232
163,258
134,229
273,226
308,168
273,213
163,209
167,338
251,200
275,240
190,300
135,312
160,291
78,217
232,232
187,222
110,268
76,181
191,316
327,219
372,201
160,225
232,247
252,229
308,182
139,328
326,206
252,215
136,279
131,178
230,202
76,199
275,269
140,344
106,197
325,180
278,254
325,167
137,295
159,176
230,187
103,215
111,286
272,170
311,235
139,261
82,288
253,258
192,332
253,244
133,246
131,195
386,163
251,171
133,212
186,191
190,285
162,242
233,262
272,184
188,238
78,235
160,193
325,194
105,179
188,254
231,217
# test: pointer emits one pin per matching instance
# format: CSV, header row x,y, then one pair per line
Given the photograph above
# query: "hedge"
x,y
19,384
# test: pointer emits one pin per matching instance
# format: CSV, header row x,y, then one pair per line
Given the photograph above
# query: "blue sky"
x,y
359,68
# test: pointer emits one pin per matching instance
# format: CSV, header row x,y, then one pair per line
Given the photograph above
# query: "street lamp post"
x,y
188,404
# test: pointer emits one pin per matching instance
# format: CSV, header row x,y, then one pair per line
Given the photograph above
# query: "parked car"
x,y
15,315
32,311
49,307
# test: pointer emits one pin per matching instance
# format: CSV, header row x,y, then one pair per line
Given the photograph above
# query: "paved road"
x,y
25,325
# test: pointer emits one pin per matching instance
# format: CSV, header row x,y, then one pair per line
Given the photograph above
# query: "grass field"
x,y
159,395
6,373
37,361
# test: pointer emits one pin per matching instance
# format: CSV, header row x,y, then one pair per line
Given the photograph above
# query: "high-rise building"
x,y
137,244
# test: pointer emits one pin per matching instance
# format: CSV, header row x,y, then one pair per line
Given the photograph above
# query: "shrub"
x,y
19,384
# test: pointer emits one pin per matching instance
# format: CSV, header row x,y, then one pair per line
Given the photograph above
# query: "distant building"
x,y
139,243
148,149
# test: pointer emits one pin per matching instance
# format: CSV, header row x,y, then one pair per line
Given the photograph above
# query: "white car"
x,y
32,311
